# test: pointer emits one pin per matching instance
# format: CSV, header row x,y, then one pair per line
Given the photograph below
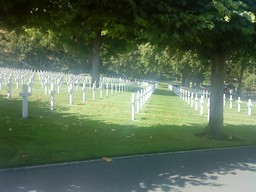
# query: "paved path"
x,y
229,170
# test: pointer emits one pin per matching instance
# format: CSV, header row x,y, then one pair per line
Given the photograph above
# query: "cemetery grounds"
x,y
102,127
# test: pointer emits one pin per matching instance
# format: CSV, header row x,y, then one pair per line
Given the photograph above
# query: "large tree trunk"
x,y
240,79
96,60
185,79
215,126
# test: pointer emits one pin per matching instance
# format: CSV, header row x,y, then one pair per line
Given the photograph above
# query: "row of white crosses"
x,y
115,84
9,75
192,99
140,98
51,80
249,104
74,83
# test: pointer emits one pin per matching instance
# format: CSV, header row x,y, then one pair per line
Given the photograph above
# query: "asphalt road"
x,y
229,170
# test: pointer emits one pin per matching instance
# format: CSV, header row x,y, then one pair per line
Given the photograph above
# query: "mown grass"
x,y
103,127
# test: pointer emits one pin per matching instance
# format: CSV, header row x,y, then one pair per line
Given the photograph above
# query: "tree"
x,y
237,64
213,28
86,23
90,22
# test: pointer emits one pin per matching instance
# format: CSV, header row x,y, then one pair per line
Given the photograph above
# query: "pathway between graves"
x,y
223,170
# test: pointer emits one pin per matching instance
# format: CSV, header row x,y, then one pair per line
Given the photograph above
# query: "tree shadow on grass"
x,y
91,134
164,92
58,136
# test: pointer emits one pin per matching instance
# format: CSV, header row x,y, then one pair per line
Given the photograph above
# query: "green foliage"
x,y
249,82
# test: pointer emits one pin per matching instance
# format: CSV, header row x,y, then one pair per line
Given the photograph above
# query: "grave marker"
x,y
186,96
238,104
84,91
231,102
52,93
30,85
249,104
58,85
189,97
45,86
107,90
208,107
100,90
70,90
196,102
17,82
141,98
25,94
93,90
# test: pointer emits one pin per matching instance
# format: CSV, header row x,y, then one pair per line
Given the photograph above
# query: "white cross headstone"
x,y
84,91
186,96
25,94
100,87
70,90
93,90
17,82
196,102
107,90
46,86
208,107
30,85
189,98
249,107
170,87
122,89
52,94
133,106
58,84
202,105
231,102
239,104
141,98
22,79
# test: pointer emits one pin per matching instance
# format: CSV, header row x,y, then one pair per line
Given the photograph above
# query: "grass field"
x,y
103,128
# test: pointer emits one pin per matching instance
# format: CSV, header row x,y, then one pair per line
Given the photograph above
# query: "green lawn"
x,y
103,127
